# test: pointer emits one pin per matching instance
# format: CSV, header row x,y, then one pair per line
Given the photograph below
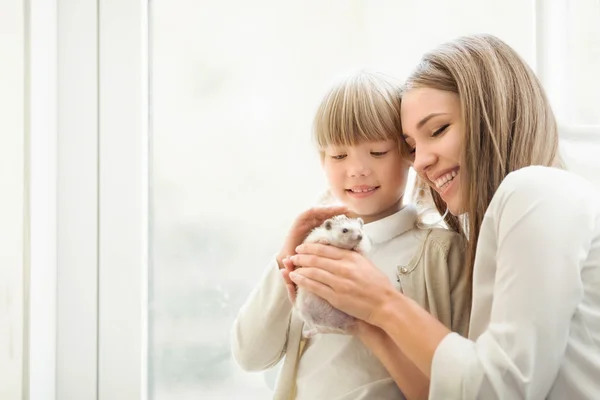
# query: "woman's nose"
x,y
423,160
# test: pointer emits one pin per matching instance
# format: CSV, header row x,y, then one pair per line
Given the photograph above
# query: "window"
x,y
583,59
568,54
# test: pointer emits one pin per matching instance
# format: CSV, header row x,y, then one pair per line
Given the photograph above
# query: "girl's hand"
x,y
302,226
345,278
288,267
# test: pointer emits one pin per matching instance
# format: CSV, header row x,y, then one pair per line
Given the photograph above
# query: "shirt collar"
x,y
392,226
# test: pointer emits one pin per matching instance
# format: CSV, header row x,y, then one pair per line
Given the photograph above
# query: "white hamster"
x,y
320,316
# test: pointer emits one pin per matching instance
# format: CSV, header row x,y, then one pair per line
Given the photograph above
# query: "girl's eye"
x,y
378,153
339,157
440,131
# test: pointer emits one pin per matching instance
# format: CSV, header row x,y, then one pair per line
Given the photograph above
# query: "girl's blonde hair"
x,y
508,122
361,107
364,106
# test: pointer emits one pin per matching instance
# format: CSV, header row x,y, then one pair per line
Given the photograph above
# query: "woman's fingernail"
x,y
295,276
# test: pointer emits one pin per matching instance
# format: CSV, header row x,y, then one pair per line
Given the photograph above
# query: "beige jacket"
x,y
427,265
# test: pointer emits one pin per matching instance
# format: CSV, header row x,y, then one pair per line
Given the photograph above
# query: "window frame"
x,y
123,199
14,266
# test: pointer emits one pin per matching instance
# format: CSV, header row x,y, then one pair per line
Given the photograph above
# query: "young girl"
x,y
479,130
357,129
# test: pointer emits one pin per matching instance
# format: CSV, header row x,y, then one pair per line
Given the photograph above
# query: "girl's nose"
x,y
359,168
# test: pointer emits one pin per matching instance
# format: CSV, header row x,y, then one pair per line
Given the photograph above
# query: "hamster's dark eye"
x,y
345,230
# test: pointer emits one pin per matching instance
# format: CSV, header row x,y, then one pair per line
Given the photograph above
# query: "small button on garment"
x,y
401,271
400,286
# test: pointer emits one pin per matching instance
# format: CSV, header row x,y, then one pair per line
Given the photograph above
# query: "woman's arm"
x,y
536,244
412,383
414,331
351,283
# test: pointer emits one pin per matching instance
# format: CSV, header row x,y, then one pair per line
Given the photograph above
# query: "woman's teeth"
x,y
441,181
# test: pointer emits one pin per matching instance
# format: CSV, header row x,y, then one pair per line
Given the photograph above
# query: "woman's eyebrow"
x,y
427,118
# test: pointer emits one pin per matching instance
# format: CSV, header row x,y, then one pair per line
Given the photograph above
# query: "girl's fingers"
x,y
320,214
291,289
285,272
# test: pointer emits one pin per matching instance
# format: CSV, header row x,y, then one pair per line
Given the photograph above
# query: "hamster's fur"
x,y
319,316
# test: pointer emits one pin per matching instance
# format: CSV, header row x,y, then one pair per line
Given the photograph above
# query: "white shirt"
x,y
332,366
535,321
340,366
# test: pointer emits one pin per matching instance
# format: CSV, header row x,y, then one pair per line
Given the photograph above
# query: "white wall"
x,y
12,196
399,32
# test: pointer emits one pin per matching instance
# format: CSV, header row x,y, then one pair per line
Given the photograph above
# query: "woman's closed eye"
x,y
440,130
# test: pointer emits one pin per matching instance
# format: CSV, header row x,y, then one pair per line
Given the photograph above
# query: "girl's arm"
x,y
260,329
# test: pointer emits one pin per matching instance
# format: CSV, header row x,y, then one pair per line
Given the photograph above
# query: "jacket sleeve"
x,y
260,330
460,285
446,280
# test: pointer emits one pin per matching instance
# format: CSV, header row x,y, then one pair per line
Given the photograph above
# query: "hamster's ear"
x,y
360,221
328,224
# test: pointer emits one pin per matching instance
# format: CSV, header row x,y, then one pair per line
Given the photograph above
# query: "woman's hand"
x,y
345,278
302,226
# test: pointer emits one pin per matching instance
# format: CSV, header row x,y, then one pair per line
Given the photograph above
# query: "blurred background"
x,y
234,88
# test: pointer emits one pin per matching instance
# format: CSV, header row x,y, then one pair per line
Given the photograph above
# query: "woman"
x,y
479,130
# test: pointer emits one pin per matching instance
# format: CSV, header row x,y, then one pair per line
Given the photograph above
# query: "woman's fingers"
x,y
301,278
323,250
309,261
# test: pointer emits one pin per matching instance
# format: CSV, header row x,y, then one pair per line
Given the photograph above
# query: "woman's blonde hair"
x,y
364,106
508,122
